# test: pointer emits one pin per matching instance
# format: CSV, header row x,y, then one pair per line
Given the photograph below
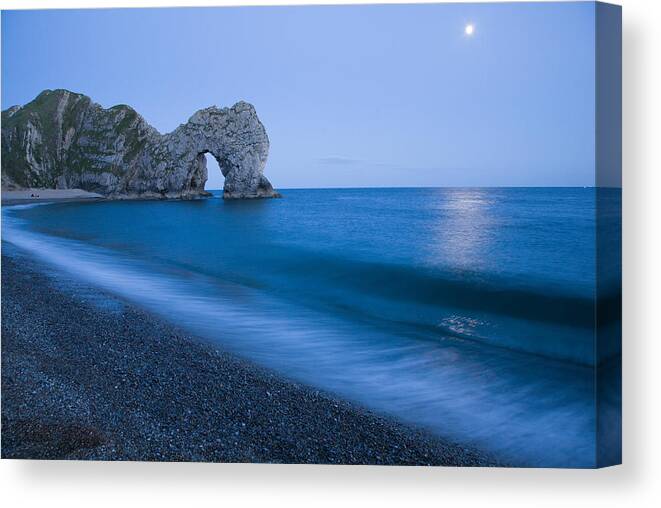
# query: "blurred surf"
x,y
467,311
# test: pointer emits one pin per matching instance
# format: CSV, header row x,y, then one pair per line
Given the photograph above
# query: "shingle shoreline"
x,y
81,382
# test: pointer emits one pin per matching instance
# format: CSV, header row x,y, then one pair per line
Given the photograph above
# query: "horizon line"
x,y
450,187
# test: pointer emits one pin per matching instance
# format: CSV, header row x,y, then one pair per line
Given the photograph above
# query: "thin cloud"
x,y
336,160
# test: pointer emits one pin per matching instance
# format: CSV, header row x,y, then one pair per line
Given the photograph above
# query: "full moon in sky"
x,y
469,29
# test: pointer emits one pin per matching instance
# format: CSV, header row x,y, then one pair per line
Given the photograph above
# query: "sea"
x,y
469,312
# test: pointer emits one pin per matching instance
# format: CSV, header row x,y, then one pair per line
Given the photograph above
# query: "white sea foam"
x,y
530,413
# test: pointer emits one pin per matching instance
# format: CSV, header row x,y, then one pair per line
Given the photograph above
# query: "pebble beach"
x,y
111,382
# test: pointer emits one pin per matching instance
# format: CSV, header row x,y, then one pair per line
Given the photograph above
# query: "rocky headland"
x,y
63,140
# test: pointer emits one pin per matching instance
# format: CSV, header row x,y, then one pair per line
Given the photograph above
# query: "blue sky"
x,y
382,95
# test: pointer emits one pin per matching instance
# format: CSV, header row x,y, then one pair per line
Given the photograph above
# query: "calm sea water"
x,y
467,311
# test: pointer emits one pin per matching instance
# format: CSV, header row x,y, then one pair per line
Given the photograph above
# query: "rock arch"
x,y
64,139
236,139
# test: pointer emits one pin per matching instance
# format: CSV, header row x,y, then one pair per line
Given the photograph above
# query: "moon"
x,y
469,29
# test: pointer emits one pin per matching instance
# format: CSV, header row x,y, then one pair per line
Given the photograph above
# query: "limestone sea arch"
x,y
64,140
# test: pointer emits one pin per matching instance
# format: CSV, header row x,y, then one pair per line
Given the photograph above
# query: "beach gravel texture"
x,y
110,382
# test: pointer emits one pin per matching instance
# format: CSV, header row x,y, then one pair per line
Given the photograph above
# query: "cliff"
x,y
64,140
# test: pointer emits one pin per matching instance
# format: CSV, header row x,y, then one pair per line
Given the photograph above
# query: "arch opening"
x,y
215,178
